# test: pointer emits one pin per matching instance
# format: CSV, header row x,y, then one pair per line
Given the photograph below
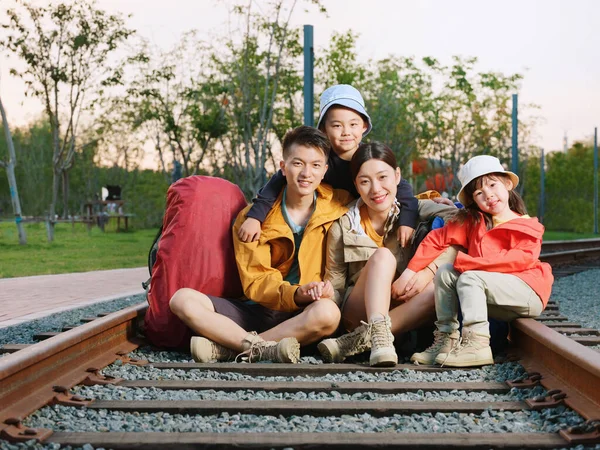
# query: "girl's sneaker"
x,y
473,350
383,352
442,343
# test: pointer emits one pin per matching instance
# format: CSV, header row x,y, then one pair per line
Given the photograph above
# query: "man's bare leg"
x,y
197,311
318,320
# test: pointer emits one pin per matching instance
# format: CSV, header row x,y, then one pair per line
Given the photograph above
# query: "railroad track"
x,y
557,371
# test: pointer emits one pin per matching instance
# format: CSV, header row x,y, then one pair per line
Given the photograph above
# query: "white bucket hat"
x,y
343,95
478,166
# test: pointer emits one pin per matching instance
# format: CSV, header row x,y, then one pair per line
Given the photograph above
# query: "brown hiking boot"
x,y
473,350
349,344
383,352
257,349
204,350
442,343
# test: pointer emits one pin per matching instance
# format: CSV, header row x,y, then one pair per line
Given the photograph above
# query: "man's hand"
x,y
313,291
399,286
404,234
417,283
250,230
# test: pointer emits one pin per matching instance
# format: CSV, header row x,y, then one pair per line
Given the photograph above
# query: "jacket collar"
x,y
327,209
354,217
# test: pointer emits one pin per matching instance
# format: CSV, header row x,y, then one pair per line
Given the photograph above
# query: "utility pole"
x,y
12,181
515,134
309,81
542,187
596,180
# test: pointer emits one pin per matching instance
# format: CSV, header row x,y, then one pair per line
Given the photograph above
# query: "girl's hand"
x,y
443,201
399,286
250,230
404,234
417,283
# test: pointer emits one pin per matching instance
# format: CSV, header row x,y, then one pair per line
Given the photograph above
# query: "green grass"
x,y
567,236
73,250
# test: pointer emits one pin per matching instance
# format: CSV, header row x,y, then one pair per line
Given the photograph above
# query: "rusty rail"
x,y
28,376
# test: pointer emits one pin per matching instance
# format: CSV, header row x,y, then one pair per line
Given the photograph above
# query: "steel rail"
x,y
28,376
573,244
563,363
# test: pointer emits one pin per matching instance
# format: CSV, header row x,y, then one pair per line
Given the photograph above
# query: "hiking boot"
x,y
257,349
383,352
204,350
442,343
473,350
349,344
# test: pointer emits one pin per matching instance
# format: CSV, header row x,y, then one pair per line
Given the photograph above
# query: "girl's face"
x,y
344,127
492,196
377,184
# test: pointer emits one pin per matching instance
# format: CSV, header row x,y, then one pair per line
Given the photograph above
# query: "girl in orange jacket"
x,y
500,275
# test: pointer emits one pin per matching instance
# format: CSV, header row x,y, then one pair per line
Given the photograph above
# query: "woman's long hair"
x,y
515,202
372,150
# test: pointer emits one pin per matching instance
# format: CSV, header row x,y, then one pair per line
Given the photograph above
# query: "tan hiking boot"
x,y
442,343
204,350
383,352
473,350
349,344
257,349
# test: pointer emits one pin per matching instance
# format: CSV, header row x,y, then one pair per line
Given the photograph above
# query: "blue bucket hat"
x,y
343,95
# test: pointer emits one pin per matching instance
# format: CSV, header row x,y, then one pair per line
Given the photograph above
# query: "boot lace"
x,y
463,341
381,335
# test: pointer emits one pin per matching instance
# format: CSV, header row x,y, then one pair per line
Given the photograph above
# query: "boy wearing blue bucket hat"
x,y
345,121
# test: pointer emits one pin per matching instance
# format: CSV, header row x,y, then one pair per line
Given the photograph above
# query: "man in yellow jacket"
x,y
287,304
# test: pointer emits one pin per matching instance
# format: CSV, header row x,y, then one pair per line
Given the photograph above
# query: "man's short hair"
x,y
307,136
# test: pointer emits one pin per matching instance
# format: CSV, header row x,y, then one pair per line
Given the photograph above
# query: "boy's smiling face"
x,y
344,127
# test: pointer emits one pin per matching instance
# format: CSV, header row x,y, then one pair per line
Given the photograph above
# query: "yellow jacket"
x,y
264,264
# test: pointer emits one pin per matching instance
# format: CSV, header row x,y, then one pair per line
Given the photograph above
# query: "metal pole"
x,y
515,134
309,89
542,186
596,180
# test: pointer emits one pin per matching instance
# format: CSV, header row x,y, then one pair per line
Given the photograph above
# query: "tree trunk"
x,y
12,181
65,192
52,216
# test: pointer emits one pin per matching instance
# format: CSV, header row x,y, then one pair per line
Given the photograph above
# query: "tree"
x,y
12,181
258,60
66,48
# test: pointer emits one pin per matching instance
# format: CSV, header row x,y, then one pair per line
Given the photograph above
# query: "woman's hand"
x,y
399,286
404,234
250,230
417,283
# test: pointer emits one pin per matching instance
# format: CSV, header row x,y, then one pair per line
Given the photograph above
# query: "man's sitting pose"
x,y
287,302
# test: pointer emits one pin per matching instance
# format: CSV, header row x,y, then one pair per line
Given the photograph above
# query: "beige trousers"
x,y
481,294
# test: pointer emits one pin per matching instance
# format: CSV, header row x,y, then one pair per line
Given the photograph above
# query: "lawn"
x,y
73,249
76,250
568,236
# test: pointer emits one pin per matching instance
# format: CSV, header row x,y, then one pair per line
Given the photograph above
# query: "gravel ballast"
x,y
578,297
23,333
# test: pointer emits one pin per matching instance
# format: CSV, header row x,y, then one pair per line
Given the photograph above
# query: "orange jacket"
x,y
512,247
264,264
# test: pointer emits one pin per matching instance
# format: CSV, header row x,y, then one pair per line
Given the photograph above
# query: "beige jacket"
x,y
349,247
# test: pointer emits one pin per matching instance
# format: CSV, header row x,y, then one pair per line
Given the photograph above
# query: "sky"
x,y
552,42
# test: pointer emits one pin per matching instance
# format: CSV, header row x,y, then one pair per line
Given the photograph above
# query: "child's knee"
x,y
183,298
446,274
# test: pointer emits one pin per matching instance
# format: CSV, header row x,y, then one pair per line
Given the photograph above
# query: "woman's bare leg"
x,y
372,292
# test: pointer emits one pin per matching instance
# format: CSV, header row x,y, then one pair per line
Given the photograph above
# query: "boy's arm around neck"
x,y
266,196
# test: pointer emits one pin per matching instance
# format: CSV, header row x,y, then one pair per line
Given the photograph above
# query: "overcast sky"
x,y
552,42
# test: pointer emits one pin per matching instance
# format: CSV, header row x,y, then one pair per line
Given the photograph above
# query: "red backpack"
x,y
195,250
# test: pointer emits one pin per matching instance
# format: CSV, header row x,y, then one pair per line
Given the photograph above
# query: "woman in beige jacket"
x,y
364,260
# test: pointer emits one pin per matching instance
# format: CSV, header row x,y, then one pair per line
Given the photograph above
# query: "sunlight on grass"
x,y
74,249
568,236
